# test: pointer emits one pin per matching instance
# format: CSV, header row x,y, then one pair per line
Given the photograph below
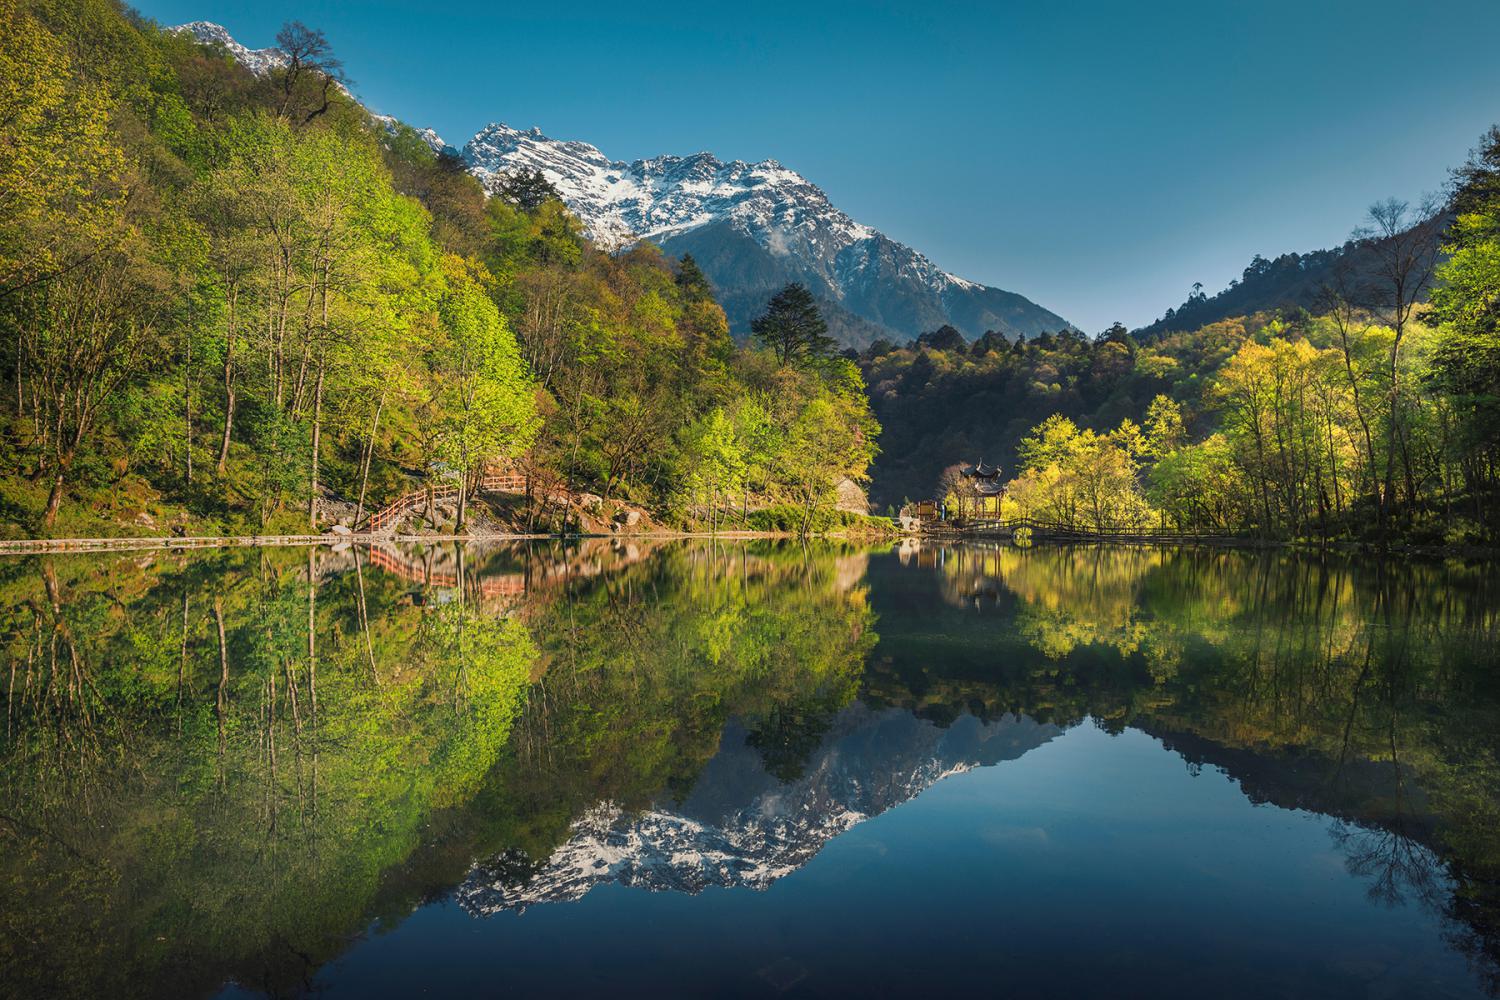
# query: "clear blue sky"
x,y
1098,157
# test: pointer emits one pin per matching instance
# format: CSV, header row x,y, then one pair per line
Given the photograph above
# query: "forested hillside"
x,y
1375,416
941,400
234,302
1302,281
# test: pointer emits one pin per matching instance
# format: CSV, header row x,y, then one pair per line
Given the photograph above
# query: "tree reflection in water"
x,y
225,765
1367,691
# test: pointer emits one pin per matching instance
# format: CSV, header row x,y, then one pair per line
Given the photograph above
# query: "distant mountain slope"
x,y
1291,281
755,226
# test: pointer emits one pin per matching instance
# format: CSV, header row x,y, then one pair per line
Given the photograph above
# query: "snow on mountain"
x,y
434,141
741,827
655,199
262,61
258,61
752,227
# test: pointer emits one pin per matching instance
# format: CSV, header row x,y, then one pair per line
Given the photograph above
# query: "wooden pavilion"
x,y
985,489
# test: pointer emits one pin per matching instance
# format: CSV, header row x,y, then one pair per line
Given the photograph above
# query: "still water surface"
x,y
749,769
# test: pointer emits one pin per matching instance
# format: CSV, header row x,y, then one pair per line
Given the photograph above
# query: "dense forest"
x,y
236,303
242,303
1373,415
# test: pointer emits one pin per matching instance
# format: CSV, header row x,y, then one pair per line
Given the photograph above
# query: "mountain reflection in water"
x,y
226,767
742,826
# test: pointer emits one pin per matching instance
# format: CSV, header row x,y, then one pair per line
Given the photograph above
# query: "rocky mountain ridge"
x,y
752,227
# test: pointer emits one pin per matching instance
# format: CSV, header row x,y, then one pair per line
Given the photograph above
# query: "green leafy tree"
x,y
61,168
486,398
715,464
1164,431
1466,301
823,446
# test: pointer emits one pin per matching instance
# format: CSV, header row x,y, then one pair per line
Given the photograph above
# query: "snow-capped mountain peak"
x,y
753,227
258,61
434,141
660,197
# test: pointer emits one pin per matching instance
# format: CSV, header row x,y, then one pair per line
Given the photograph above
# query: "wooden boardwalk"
x,y
22,546
379,523
410,503
36,546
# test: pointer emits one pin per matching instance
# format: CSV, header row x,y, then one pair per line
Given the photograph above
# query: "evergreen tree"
x,y
691,280
793,328
529,189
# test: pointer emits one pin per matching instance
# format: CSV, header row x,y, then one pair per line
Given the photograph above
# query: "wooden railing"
x,y
409,503
544,570
419,571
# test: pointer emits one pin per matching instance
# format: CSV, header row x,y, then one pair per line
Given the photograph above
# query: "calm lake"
x,y
749,769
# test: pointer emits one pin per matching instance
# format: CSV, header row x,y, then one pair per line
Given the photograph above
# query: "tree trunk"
x,y
463,502
1394,418
59,475
229,401
364,470
1359,412
276,357
229,393
187,404
530,505
221,694
317,433
54,499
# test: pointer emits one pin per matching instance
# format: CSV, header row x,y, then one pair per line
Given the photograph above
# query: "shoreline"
x,y
130,543
1344,547
137,543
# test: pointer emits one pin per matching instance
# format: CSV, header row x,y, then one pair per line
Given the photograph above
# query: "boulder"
x,y
590,502
340,529
629,518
